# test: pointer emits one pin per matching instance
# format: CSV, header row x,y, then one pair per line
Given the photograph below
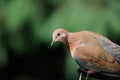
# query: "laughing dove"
x,y
92,52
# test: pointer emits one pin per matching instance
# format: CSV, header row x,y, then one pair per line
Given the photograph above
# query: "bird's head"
x,y
59,35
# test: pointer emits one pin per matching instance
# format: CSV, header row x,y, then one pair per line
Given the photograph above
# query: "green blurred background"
x,y
26,28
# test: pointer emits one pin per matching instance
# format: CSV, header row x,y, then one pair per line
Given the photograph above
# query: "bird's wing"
x,y
110,47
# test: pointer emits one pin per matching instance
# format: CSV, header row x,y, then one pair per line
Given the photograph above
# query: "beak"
x,y
52,42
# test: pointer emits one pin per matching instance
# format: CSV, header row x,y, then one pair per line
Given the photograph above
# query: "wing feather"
x,y
110,48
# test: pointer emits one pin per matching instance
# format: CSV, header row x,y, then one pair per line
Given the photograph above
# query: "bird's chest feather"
x,y
86,56
92,58
89,54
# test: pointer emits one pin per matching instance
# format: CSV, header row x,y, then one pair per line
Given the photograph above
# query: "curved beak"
x,y
52,42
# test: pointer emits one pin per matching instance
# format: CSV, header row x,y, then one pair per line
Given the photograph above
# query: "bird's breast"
x,y
94,59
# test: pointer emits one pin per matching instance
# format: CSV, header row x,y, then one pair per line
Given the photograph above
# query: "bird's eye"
x,y
58,34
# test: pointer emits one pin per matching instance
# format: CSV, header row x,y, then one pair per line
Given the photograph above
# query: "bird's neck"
x,y
66,43
70,41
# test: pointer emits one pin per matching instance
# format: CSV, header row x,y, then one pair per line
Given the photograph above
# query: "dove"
x,y
92,52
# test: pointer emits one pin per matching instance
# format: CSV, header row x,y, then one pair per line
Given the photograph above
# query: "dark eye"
x,y
58,34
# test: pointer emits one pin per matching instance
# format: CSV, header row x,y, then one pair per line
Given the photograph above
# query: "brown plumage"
x,y
91,51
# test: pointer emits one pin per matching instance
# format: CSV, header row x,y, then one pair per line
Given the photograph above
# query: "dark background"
x,y
26,28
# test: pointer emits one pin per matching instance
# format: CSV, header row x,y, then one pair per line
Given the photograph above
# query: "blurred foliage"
x,y
26,28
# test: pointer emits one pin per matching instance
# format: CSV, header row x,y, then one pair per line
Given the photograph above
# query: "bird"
x,y
92,52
